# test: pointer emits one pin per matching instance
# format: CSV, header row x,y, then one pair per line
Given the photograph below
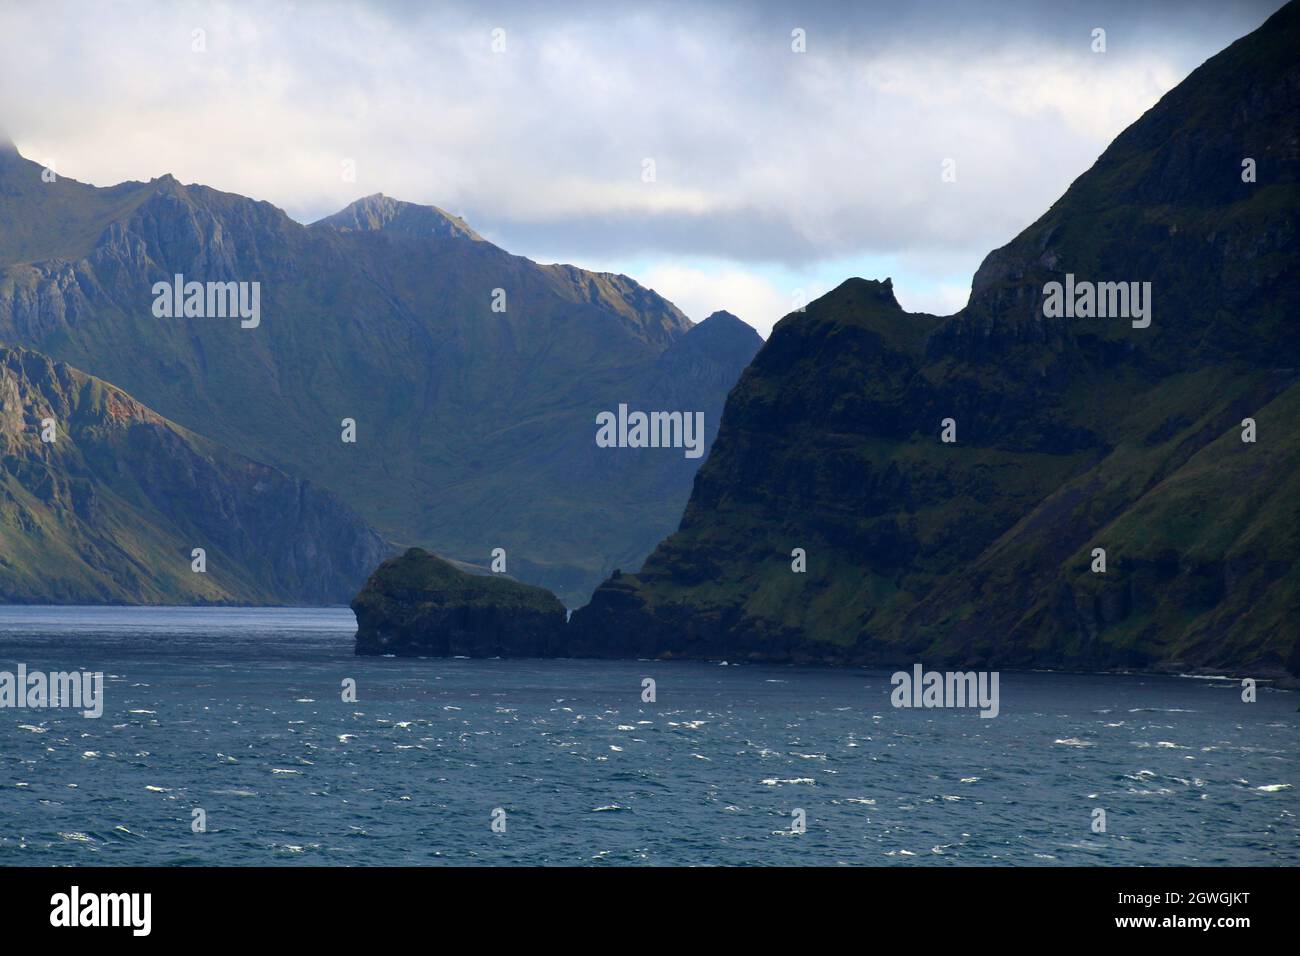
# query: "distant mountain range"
x,y
473,377
1071,433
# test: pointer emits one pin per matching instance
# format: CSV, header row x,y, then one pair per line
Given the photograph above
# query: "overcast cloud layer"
x,y
777,174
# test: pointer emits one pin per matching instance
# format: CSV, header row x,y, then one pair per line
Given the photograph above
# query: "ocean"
x,y
236,718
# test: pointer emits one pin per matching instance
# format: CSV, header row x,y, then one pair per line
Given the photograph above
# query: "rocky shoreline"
x,y
418,605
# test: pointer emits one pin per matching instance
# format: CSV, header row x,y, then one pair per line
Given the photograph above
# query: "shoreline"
x,y
1277,679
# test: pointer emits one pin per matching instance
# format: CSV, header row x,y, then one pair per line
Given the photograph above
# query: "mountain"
x,y
473,376
1071,434
111,509
380,213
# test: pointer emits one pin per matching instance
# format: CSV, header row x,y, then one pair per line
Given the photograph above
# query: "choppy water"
x,y
239,712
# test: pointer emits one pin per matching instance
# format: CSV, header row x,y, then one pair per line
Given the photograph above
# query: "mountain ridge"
x,y
474,376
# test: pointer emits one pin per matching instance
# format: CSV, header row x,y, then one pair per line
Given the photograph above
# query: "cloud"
x,y
762,156
942,298
700,291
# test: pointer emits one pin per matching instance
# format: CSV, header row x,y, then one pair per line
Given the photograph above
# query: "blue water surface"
x,y
240,712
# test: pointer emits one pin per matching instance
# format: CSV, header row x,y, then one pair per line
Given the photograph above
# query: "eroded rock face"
x,y
418,605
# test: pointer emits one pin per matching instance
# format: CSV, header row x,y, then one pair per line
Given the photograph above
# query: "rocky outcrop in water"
x,y
418,605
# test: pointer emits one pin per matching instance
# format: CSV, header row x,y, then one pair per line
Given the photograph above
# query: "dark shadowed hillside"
x,y
1071,434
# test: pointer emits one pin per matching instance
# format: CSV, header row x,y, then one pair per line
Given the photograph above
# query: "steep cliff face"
x,y
1071,434
417,605
112,508
474,376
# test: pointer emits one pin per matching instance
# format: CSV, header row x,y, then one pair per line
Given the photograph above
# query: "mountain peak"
x,y
167,185
722,341
380,213
8,151
725,329
869,295
882,289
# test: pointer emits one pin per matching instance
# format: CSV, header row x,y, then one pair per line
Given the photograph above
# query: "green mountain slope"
x,y
112,508
1072,434
475,426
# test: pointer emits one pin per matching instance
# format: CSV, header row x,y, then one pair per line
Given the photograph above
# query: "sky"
x,y
738,156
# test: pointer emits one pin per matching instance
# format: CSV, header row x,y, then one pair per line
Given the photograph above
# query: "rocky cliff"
x,y
1068,435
